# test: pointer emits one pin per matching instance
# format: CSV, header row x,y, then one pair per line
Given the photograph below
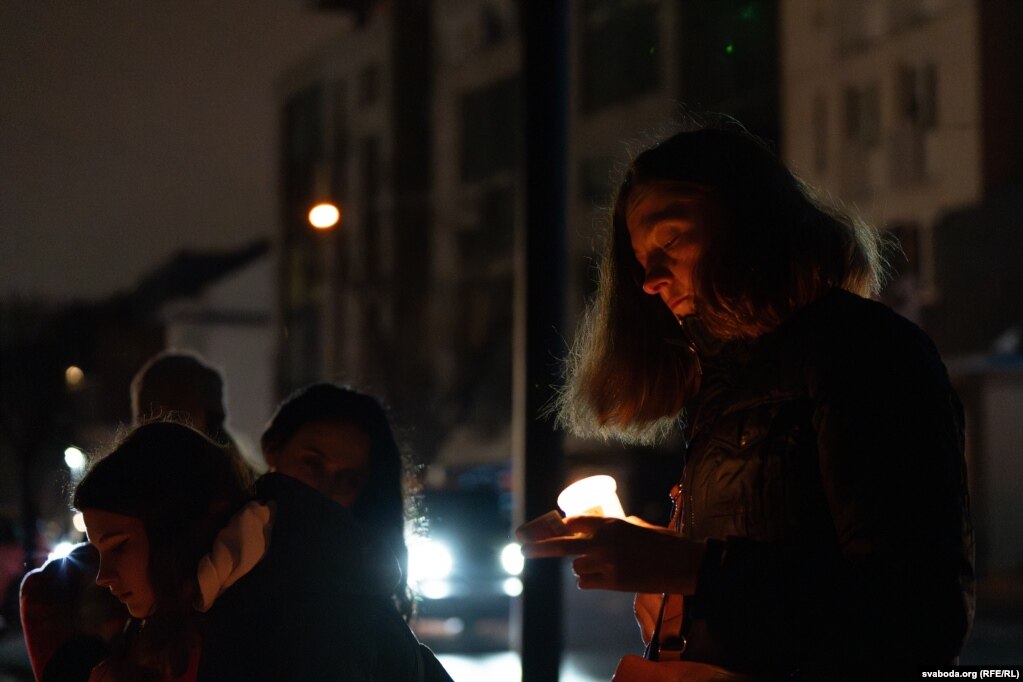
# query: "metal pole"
x,y
539,301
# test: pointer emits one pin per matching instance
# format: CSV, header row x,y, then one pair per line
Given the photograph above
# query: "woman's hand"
x,y
627,556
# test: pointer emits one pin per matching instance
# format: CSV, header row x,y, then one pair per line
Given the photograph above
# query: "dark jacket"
x,y
318,605
66,618
826,473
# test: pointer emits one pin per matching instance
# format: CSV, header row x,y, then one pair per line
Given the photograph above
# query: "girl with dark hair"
x,y
821,525
320,604
340,442
68,621
152,508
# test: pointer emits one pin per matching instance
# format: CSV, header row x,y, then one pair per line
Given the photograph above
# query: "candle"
x,y
592,496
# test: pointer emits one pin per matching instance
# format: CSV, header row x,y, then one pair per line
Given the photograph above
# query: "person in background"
x,y
340,442
821,527
69,622
181,386
153,508
320,605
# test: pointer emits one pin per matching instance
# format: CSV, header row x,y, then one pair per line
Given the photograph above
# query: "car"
x,y
465,569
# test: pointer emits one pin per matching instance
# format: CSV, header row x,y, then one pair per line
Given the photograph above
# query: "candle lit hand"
x,y
624,555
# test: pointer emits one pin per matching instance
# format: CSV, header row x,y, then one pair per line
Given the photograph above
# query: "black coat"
x,y
317,607
826,472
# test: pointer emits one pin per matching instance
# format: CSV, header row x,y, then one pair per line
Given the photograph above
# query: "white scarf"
x,y
239,546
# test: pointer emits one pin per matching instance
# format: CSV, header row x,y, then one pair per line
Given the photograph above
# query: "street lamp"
x,y
324,215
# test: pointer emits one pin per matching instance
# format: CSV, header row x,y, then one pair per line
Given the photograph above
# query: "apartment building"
x,y
882,108
909,109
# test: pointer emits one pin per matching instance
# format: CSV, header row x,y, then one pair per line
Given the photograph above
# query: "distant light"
x,y
324,216
78,521
454,626
512,559
74,458
434,589
512,587
428,559
61,550
73,375
730,48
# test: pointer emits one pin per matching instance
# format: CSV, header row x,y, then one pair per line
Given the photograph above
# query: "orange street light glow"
x,y
324,216
73,375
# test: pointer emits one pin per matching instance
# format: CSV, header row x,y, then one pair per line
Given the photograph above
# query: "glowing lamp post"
x,y
324,215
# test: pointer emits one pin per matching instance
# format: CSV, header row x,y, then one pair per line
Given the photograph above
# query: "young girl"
x,y
320,605
152,508
339,442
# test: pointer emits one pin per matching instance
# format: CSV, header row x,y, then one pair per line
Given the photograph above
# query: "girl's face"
x,y
667,225
332,457
123,558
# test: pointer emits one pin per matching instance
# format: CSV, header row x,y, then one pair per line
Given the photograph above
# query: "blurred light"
x,y
73,375
61,550
324,216
434,589
592,496
730,48
454,626
512,559
512,587
428,559
78,521
74,458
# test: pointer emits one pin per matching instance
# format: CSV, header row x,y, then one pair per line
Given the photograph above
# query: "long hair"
x,y
184,488
381,506
774,248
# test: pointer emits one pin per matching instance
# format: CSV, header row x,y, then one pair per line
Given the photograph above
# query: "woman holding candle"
x,y
821,524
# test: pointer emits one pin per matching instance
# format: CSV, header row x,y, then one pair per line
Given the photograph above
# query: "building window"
x,y
918,95
495,26
904,14
369,161
369,85
863,115
303,124
340,143
489,129
858,24
492,235
621,56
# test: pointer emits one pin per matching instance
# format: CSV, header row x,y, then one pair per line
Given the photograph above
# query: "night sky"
x,y
132,129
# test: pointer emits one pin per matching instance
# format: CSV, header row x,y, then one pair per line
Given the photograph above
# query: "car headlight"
x,y
512,559
428,559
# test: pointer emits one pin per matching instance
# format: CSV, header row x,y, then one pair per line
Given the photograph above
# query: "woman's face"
x,y
332,457
667,225
123,558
